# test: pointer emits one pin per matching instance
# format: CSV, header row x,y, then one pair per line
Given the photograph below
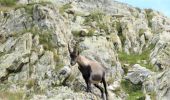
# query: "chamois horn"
x,y
69,48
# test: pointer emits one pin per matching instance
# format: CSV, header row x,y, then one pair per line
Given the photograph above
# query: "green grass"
x,y
96,16
11,95
118,27
30,83
45,39
64,8
149,16
134,58
90,33
28,8
141,32
11,4
104,27
134,91
8,2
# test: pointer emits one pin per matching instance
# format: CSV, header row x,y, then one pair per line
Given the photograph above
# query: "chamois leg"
x,y
100,88
88,89
105,87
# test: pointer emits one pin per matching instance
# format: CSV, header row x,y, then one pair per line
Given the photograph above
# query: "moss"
x,y
64,8
134,91
8,2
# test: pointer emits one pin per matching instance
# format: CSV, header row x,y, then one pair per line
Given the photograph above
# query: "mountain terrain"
x,y
132,43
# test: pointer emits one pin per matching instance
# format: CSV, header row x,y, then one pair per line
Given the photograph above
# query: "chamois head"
x,y
73,54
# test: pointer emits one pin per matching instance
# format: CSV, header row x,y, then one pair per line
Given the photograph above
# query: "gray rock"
x,y
159,85
138,74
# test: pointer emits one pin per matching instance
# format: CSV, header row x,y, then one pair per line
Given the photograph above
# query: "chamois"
x,y
92,71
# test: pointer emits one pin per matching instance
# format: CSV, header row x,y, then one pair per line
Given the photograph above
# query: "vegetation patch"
x,y
138,9
90,33
118,27
28,8
96,16
30,83
134,91
143,59
141,32
64,8
104,27
8,2
149,15
45,39
11,95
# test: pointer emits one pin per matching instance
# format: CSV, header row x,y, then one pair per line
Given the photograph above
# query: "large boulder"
x,y
138,74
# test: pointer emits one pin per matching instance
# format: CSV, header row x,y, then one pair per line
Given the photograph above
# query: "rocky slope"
x,y
132,43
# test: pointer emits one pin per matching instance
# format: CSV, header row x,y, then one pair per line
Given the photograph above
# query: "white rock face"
x,y
158,84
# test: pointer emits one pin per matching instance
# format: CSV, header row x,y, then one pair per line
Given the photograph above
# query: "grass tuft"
x,y
149,15
64,8
134,91
11,95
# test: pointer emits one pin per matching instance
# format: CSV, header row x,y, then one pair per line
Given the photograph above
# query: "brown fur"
x,y
92,71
